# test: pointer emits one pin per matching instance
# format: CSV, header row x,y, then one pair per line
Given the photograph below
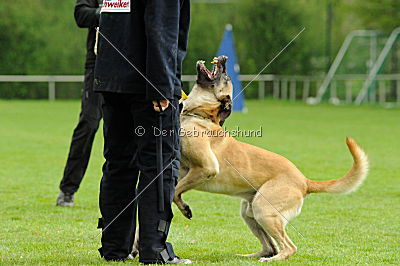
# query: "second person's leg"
x,y
82,138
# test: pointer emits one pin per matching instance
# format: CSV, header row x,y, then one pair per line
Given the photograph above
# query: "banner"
x,y
116,6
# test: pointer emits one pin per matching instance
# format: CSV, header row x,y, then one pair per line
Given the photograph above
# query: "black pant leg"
x,y
83,136
117,189
153,224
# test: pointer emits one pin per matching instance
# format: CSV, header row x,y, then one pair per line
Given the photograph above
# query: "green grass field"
x,y
359,228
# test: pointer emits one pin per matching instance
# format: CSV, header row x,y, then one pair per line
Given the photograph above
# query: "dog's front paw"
x,y
187,212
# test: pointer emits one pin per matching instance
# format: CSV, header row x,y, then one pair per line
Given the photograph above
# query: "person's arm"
x,y
87,13
162,32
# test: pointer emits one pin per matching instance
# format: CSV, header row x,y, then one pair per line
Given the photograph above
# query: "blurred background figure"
x,y
87,13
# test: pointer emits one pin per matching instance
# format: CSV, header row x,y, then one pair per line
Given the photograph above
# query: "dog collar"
x,y
196,115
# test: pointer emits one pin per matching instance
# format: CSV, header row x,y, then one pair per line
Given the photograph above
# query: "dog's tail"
x,y
351,181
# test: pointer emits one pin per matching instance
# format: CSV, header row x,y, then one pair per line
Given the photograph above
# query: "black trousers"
x,y
131,129
83,136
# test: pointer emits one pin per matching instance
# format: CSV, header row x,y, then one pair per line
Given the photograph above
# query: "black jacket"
x,y
153,38
87,13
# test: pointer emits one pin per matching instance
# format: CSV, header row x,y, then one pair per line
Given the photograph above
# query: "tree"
x,y
382,15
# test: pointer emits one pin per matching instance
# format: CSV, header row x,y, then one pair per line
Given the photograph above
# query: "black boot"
x,y
65,199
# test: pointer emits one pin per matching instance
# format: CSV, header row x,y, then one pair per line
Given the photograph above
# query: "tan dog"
x,y
272,188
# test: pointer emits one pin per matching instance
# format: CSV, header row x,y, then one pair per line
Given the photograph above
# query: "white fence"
x,y
343,88
51,80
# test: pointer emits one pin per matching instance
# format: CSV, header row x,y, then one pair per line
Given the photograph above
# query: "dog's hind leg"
x,y
269,248
273,206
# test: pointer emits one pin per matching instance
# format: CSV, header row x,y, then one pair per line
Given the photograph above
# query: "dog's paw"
x,y
187,212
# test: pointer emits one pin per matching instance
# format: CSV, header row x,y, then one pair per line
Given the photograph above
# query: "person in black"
x,y
87,13
138,72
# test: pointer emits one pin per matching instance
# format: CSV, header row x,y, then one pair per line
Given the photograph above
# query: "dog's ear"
x,y
225,110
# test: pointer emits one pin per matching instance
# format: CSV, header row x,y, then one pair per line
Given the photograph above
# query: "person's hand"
x,y
164,105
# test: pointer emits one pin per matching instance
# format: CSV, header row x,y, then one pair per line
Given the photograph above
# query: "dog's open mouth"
x,y
210,75
204,70
204,74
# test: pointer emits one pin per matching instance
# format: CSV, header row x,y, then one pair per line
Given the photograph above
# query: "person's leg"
x,y
82,138
117,189
153,223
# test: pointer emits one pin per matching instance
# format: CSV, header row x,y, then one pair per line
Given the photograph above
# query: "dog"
x,y
271,187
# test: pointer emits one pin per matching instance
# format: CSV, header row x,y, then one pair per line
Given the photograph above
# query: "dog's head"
x,y
217,85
